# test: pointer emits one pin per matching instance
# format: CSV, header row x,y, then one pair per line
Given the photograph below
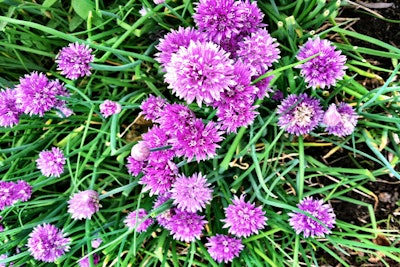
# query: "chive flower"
x,y
84,204
136,220
303,223
186,226
223,248
340,120
326,68
108,108
9,111
51,162
74,60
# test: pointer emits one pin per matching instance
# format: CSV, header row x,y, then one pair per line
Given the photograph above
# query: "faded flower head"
x,y
85,262
201,72
36,94
340,120
47,243
108,108
140,151
191,193
9,112
223,248
299,114
219,19
186,226
74,60
51,163
136,220
259,51
197,140
326,68
309,226
243,219
84,204
175,39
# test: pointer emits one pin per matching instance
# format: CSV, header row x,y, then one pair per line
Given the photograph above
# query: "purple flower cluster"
x,y
9,111
243,218
84,262
223,248
74,60
47,243
84,204
185,225
11,192
51,163
326,68
108,108
308,225
300,114
215,63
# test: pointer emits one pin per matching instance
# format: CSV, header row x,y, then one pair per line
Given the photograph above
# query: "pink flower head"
x,y
340,120
223,248
22,190
157,138
191,193
175,39
84,204
9,112
51,163
140,151
136,220
219,19
201,72
134,166
36,94
243,218
164,217
74,60
259,51
11,192
251,17
159,176
186,226
309,226
326,68
152,107
108,108
197,140
299,114
175,118
47,243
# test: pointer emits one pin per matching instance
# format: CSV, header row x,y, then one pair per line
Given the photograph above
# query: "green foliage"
x,y
274,169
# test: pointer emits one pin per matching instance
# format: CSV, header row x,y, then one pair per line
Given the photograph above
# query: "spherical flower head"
x,y
299,114
108,108
201,72
175,39
223,248
140,151
175,117
51,163
197,141
152,106
35,94
219,19
326,68
84,204
309,226
9,111
243,219
136,220
7,196
134,166
47,243
22,191
85,262
74,61
159,176
259,50
186,226
340,120
191,193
